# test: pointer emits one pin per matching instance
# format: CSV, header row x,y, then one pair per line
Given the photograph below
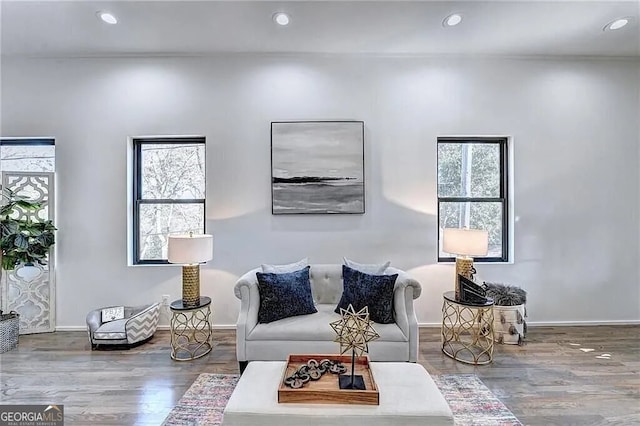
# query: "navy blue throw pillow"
x,y
284,295
374,291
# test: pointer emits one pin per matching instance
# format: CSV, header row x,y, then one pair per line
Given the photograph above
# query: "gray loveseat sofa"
x,y
312,333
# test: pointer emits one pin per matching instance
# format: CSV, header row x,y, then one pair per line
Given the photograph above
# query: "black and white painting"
x,y
317,167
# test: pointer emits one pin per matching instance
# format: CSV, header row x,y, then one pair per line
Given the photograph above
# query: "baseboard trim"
x,y
553,323
160,327
213,326
581,323
421,325
71,328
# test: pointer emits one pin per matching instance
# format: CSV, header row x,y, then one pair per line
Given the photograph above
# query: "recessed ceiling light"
x,y
281,18
452,20
616,25
107,17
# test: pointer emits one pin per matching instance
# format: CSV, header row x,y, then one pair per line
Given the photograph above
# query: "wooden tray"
x,y
326,390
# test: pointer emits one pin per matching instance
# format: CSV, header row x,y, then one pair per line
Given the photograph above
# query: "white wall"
x,y
576,159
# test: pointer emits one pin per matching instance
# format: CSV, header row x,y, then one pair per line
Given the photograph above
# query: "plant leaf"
x,y
21,242
23,239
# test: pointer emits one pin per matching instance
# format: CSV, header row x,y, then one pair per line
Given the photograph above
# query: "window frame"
x,y
138,201
503,198
29,141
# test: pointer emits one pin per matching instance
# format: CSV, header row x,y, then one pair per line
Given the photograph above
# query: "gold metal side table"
x,y
190,330
467,330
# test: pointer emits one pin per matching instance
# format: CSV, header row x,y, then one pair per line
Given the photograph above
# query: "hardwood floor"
x,y
545,382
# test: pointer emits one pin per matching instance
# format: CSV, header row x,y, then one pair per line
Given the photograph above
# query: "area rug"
x,y
471,402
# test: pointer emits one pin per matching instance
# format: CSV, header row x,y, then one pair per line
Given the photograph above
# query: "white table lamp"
x,y
190,250
464,243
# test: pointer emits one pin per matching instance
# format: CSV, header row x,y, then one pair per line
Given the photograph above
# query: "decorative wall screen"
x,y
31,291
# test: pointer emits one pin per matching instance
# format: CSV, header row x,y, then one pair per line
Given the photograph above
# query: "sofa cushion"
x,y
112,313
316,328
375,291
111,330
284,295
281,269
326,283
367,268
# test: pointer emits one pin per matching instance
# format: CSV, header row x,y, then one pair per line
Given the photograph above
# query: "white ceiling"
x,y
59,28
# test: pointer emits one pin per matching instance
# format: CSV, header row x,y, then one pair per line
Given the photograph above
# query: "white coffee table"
x,y
408,396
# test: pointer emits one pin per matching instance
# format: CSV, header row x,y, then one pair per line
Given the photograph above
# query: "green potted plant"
x,y
23,241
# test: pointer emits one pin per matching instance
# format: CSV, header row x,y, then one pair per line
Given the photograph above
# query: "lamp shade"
x,y
190,248
465,242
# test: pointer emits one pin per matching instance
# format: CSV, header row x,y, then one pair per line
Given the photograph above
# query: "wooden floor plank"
x,y
545,382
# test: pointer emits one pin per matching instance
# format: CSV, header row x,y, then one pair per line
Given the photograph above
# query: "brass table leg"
x,y
467,332
190,334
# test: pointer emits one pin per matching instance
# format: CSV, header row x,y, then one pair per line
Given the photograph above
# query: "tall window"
x,y
472,191
168,193
27,155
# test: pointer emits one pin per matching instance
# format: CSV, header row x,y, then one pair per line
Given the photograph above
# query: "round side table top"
x,y
177,305
451,297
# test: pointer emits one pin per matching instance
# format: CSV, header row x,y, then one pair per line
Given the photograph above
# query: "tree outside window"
x,y
472,191
169,193
27,155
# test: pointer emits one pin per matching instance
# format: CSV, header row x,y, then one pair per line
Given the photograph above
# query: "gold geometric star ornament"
x,y
354,330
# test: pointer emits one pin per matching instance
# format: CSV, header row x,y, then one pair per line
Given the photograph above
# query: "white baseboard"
x,y
581,323
213,326
160,327
554,323
422,325
72,328
429,324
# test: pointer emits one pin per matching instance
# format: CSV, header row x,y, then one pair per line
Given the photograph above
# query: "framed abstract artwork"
x,y
317,167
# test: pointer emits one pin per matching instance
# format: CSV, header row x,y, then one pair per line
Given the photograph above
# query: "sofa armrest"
x,y
246,289
143,322
132,311
405,291
94,321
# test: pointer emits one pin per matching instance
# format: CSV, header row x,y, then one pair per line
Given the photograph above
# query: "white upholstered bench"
x,y
408,396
